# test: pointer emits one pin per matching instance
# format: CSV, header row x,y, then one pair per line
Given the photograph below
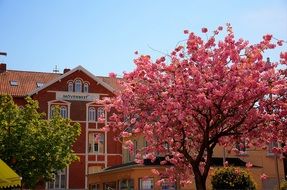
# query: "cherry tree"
x,y
208,91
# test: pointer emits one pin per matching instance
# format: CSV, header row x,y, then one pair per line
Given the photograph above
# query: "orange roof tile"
x,y
113,82
27,81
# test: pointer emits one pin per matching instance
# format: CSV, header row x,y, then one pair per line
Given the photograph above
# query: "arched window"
x,y
86,87
70,87
92,114
52,111
101,112
64,112
78,86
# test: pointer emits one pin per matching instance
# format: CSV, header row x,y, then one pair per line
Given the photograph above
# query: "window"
x,y
78,86
14,83
110,186
101,112
59,181
96,143
39,84
94,187
241,147
271,145
52,111
166,185
86,87
92,114
131,155
146,184
64,112
70,87
126,184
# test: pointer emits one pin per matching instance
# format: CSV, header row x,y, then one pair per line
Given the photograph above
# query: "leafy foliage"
x,y
35,147
232,178
283,185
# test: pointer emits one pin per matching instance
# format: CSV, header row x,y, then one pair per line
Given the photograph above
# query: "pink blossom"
x,y
280,42
133,120
136,52
101,120
263,176
249,165
204,30
185,31
112,75
267,37
226,163
155,171
105,129
126,134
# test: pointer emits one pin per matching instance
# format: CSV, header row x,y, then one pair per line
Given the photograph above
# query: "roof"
x,y
216,162
27,81
232,161
147,162
95,78
8,178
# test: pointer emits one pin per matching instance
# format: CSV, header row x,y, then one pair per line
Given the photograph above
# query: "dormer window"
x,y
13,83
86,87
39,84
70,87
78,86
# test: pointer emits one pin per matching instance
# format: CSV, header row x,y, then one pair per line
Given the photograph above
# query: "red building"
x,y
75,92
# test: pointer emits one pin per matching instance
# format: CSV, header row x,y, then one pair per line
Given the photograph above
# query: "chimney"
x,y
66,70
2,67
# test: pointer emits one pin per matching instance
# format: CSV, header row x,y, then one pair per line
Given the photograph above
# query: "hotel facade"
x,y
75,92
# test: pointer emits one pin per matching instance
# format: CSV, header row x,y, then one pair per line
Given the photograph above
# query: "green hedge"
x,y
283,185
228,178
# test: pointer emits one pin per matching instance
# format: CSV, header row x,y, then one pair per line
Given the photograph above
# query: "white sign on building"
x,y
74,96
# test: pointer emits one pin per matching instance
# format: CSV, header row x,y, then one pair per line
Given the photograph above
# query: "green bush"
x,y
283,185
232,178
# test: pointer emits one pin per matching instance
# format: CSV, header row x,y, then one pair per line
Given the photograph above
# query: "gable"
x,y
78,73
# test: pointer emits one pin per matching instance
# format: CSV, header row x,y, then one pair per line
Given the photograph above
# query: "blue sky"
x,y
103,35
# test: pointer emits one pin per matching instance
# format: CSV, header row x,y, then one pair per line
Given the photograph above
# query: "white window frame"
x,y
60,175
52,111
271,145
100,143
78,85
143,186
92,116
86,87
70,87
64,111
100,112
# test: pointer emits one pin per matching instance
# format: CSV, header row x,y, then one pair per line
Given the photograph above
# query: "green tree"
x,y
35,147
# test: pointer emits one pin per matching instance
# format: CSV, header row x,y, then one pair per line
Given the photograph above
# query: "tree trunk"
x,y
200,182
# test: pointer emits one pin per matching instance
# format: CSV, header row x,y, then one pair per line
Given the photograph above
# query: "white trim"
x,y
86,148
101,94
96,162
115,155
79,121
67,177
106,142
107,86
58,102
95,130
80,154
